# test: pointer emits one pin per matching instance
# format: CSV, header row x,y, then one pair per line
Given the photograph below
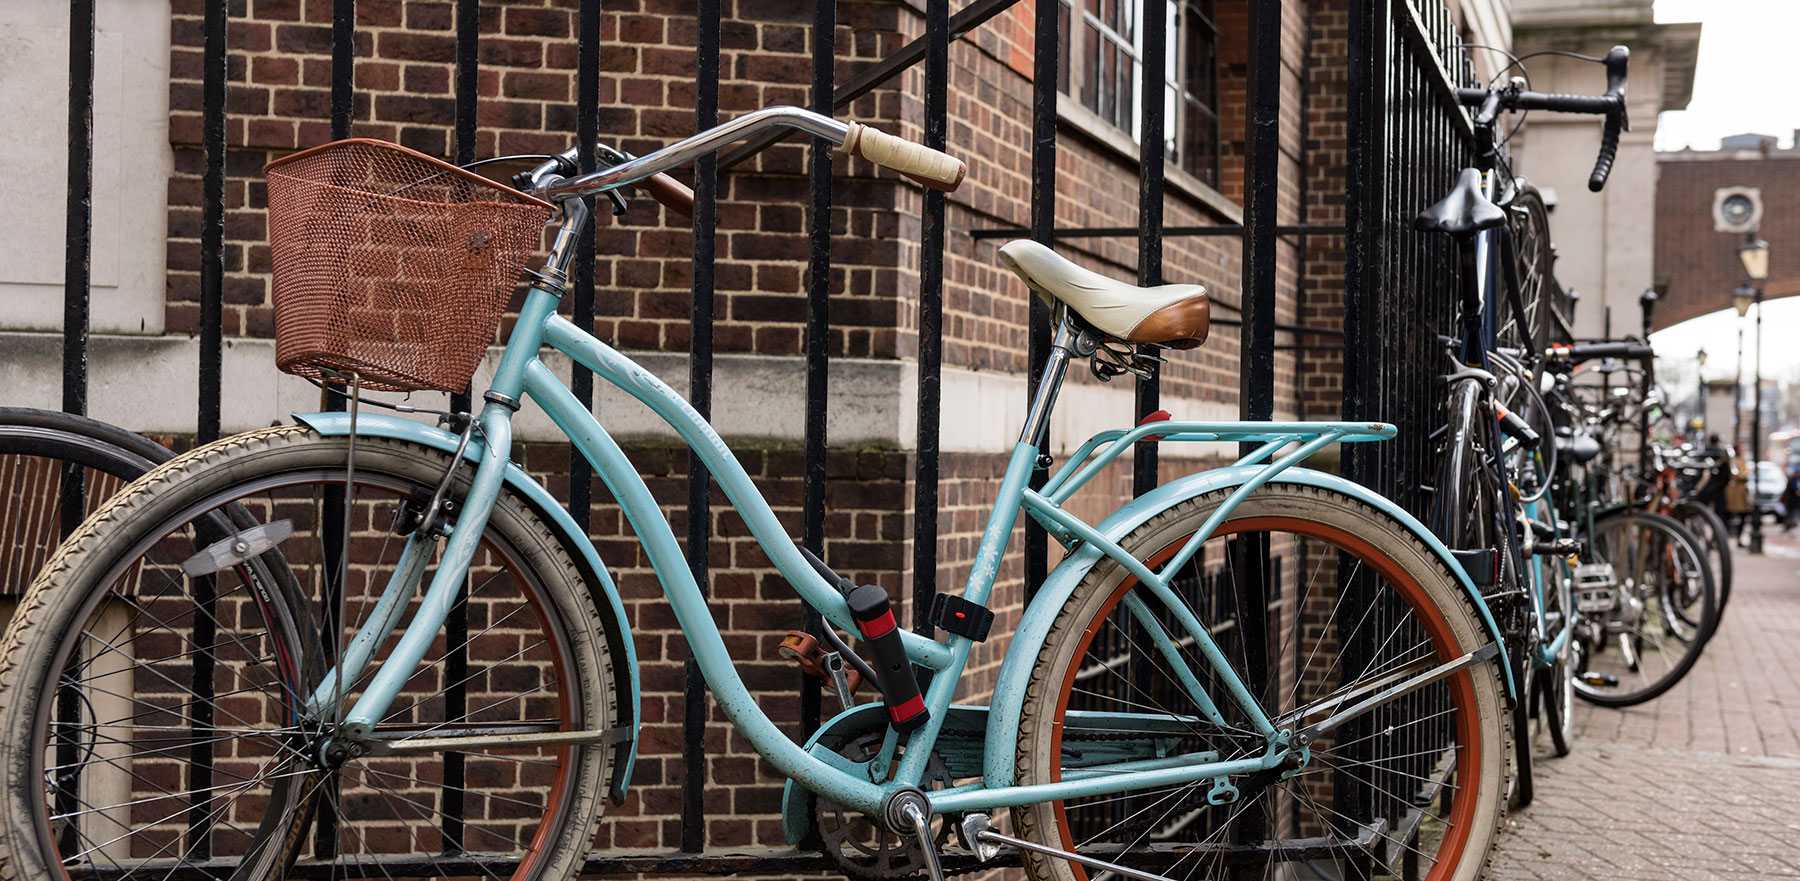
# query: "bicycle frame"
x,y
1487,263
522,375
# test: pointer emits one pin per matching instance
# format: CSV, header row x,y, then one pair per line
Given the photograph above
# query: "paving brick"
x,y
1697,784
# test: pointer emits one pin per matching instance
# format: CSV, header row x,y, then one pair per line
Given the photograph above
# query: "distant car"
x,y
1766,485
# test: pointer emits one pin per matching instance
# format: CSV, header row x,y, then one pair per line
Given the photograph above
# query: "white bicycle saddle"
x,y
1172,314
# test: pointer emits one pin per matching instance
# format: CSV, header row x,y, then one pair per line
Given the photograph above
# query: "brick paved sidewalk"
x,y
1702,783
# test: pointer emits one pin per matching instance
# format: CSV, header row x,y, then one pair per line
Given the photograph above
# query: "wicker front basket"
x,y
391,264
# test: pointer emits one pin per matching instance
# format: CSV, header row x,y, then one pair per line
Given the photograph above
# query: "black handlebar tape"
x,y
1596,104
1516,428
875,619
1590,351
1609,145
1616,62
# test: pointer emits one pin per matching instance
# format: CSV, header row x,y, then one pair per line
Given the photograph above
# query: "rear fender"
x,y
1015,671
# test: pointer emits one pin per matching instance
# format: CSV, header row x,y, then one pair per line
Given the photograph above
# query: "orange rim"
x,y
1461,685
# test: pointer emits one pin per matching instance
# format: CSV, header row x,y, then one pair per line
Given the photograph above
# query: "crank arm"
x,y
1310,733
985,842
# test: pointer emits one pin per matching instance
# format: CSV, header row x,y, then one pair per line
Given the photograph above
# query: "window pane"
x,y
1090,68
1062,36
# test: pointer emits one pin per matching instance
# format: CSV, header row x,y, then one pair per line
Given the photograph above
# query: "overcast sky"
x,y
1745,82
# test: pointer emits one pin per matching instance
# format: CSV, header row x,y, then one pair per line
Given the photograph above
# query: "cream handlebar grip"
x,y
937,170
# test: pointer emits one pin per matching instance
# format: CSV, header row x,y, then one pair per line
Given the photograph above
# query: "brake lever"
x,y
565,166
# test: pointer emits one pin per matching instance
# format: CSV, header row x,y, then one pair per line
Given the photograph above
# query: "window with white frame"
x,y
1102,67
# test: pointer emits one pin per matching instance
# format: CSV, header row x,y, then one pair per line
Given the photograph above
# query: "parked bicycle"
x,y
55,469
1645,593
1489,498
267,657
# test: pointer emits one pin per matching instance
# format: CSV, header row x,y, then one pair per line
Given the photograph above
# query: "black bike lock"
x,y
875,619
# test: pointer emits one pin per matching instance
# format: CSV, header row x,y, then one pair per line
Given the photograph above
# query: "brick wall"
x,y
1700,266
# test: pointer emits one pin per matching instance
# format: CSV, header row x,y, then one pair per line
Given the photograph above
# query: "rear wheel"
x,y
1466,514
159,683
1309,596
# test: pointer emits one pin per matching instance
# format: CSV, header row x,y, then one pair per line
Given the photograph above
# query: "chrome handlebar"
x,y
547,184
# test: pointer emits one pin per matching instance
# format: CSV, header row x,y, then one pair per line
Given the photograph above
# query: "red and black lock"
x,y
874,616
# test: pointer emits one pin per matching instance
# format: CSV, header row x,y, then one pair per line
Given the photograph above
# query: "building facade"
x,y
1604,241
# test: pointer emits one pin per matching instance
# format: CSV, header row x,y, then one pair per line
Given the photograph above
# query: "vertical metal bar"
x,y
1302,351
212,273
78,246
1257,361
706,188
78,255
212,221
818,330
587,135
931,322
1151,152
453,809
468,65
1045,65
1366,60
343,66
1257,378
332,522
78,249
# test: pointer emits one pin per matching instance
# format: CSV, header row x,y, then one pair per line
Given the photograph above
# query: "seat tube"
x,y
1054,370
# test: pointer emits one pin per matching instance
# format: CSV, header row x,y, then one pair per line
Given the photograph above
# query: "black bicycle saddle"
x,y
1464,212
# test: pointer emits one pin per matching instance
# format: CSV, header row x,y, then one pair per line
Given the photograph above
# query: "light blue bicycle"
x,y
364,646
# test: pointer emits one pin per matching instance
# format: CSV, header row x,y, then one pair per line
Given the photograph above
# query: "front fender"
x,y
1034,626
600,583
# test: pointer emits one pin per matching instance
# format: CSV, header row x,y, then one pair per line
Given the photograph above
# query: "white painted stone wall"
x,y
132,163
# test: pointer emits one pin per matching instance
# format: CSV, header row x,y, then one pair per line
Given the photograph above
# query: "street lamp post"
x,y
1700,393
1754,254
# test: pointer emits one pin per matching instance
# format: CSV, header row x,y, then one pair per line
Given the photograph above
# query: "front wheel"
x,y
1313,600
1715,541
160,687
1647,617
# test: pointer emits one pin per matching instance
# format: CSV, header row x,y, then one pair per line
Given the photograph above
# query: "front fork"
x,y
440,597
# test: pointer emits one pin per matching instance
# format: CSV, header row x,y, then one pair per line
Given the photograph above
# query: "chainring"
x,y
861,847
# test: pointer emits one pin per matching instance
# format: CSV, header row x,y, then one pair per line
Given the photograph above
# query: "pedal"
x,y
1595,587
804,649
1600,680
978,835
1562,547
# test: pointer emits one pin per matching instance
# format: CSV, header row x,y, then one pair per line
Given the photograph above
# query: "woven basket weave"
x,y
391,264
